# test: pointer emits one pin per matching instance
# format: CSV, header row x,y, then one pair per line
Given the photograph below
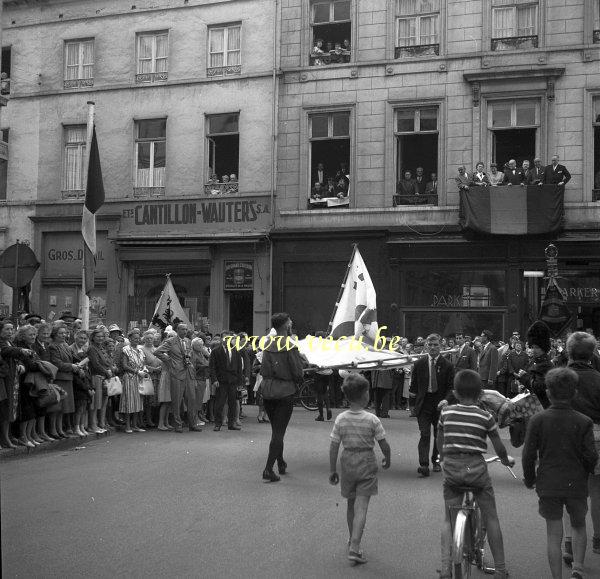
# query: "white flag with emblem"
x,y
168,311
356,311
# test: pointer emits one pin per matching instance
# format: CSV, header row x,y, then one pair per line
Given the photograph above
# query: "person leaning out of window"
x,y
495,177
479,177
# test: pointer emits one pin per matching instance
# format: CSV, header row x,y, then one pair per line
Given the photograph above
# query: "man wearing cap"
x,y
466,357
488,360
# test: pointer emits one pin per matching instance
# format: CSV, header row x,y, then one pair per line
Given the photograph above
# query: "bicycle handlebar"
x,y
497,459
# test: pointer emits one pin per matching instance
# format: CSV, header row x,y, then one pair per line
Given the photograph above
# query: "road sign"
x,y
18,265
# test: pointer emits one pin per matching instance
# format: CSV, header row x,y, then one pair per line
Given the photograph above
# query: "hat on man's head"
x,y
488,334
538,334
114,328
29,317
67,315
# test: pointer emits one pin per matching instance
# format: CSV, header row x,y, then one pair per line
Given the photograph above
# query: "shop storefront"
x,y
216,251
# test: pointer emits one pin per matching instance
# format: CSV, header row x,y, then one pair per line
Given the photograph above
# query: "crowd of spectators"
x,y
225,184
553,174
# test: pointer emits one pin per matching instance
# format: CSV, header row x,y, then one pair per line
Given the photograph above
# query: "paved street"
x,y
194,505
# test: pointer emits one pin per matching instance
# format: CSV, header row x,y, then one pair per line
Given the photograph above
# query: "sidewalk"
x,y
60,444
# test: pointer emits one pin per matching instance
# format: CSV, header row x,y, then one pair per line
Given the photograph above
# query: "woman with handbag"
x,y
282,372
132,364
83,388
154,367
101,368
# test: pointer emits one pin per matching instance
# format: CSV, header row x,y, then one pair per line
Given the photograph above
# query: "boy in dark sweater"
x,y
563,440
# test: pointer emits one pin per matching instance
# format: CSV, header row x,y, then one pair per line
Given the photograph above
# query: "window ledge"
x,y
148,192
223,70
514,43
328,58
150,77
417,51
78,83
221,189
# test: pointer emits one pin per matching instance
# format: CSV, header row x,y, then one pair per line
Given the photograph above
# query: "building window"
x,y
152,57
514,24
223,153
329,135
224,50
596,124
150,155
514,130
331,28
74,160
596,20
79,64
417,27
5,67
416,134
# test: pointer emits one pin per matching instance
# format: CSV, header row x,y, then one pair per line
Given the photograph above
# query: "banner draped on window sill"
x,y
512,210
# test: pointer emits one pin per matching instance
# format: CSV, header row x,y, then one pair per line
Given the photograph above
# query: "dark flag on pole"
x,y
94,198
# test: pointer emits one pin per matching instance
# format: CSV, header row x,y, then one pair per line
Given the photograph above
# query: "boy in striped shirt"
x,y
463,430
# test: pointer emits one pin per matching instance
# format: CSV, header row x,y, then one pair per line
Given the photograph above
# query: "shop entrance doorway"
x,y
241,311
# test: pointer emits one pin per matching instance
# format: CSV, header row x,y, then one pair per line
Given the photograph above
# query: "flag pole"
x,y
342,287
84,301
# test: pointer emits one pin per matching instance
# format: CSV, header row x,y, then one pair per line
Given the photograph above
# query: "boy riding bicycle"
x,y
462,432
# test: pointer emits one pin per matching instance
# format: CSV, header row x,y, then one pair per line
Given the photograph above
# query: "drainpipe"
x,y
274,120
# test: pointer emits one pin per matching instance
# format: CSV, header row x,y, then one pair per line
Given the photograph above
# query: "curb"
x,y
57,445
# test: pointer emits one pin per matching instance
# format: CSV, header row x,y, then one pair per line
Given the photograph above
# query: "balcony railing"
x,y
419,50
148,191
221,188
78,83
596,36
332,57
514,42
327,202
4,150
425,199
224,70
149,77
74,194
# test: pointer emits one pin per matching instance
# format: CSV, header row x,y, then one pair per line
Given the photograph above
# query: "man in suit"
x,y
488,360
320,175
463,179
536,175
431,381
226,374
466,357
556,174
513,175
432,185
176,353
420,183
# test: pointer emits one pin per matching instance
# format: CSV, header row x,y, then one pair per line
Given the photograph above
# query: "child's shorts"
x,y
359,473
551,508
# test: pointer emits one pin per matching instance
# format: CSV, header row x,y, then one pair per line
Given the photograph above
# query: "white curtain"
x,y
526,21
503,22
596,14
407,32
74,155
145,54
162,51
72,61
150,170
87,59
428,31
414,7
233,46
216,46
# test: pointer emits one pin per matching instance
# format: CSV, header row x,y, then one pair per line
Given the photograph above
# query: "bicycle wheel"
x,y
462,546
479,537
308,399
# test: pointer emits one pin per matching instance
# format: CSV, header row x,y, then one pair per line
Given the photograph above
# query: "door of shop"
x,y
241,311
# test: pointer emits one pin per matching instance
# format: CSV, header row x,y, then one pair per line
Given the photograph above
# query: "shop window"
x,y
416,134
514,24
152,57
224,50
596,125
74,159
331,28
329,159
223,153
514,130
596,21
79,63
150,155
417,27
5,67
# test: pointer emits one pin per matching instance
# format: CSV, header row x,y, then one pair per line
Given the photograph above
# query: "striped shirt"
x,y
357,429
465,428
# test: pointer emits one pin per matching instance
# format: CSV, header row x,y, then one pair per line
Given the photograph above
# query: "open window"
x,y
417,136
329,159
417,27
223,153
151,154
514,24
514,128
5,67
331,29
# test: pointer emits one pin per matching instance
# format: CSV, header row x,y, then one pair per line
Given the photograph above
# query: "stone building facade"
x,y
182,92
388,86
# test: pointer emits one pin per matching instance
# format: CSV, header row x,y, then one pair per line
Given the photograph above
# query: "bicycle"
x,y
469,535
306,396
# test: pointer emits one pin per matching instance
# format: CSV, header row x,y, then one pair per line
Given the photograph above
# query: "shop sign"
x,y
63,254
239,275
237,215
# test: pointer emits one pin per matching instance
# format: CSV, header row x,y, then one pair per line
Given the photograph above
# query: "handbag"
x,y
146,386
114,386
46,396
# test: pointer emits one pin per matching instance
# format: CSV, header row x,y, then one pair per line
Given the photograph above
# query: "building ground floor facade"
x,y
216,251
436,282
